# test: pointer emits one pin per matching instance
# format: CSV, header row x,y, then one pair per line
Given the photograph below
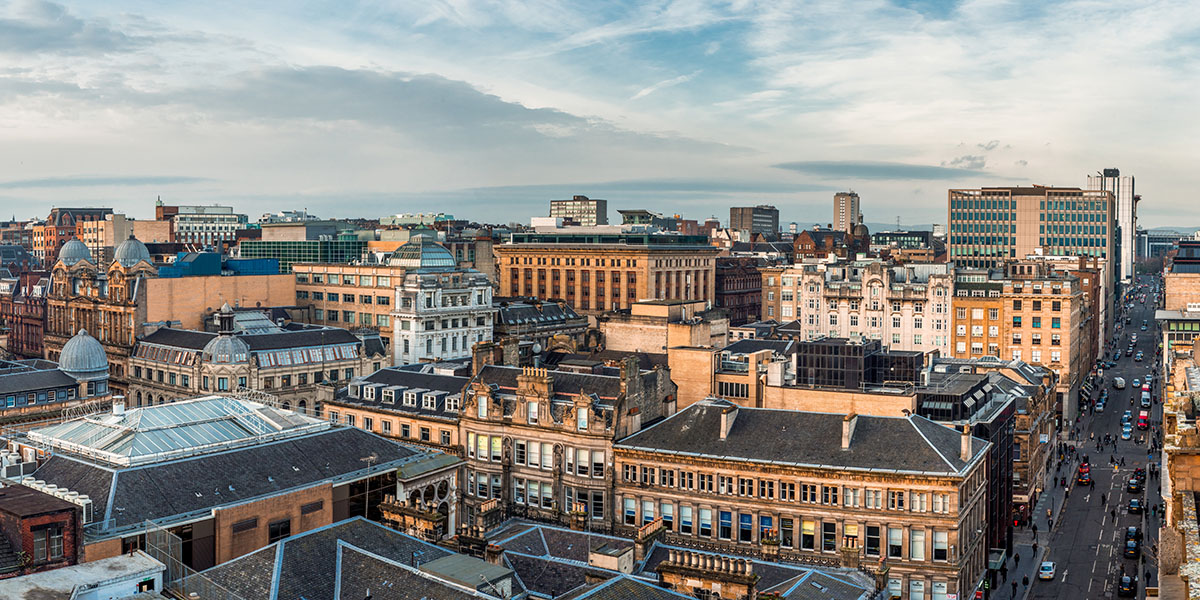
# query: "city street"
x,y
1087,539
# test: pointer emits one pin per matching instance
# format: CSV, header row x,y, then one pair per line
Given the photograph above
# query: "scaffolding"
x,y
182,580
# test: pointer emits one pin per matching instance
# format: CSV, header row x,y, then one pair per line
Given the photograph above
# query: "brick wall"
x,y
268,510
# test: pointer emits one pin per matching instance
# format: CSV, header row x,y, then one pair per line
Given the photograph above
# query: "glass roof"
x,y
155,433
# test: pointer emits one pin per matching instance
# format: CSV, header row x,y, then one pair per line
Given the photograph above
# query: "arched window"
x,y
139,398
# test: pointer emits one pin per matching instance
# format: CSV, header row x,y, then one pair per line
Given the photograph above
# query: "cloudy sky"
x,y
487,109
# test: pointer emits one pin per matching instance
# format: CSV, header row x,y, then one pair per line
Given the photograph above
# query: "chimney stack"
x,y
849,422
728,414
966,453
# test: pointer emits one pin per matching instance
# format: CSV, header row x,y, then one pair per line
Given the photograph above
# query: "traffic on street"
x,y
1100,539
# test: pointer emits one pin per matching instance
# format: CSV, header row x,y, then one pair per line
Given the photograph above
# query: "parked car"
x,y
1132,549
1046,571
1133,533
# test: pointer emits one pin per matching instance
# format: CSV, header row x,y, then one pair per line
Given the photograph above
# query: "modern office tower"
x,y
989,227
846,211
755,219
580,210
1122,189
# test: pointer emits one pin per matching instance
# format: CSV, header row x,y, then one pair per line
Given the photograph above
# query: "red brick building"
x,y
38,532
739,288
23,312
48,238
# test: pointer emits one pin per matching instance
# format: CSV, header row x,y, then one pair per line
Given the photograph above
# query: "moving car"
x,y
1127,433
1127,586
1100,406
1143,327
1143,421
1133,533
1119,383
1138,357
1046,571
1144,402
1137,382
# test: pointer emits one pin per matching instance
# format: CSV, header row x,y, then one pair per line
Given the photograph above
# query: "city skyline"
x,y
490,112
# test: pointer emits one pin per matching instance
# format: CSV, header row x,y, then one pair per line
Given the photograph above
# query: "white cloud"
x,y
666,83
262,101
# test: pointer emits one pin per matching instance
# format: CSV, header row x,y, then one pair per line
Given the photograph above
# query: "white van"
x,y
1119,383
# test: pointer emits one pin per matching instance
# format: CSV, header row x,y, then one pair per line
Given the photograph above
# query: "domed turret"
x,y
130,252
74,251
83,358
226,349
422,253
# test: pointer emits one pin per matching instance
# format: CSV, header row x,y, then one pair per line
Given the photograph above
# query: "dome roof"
x,y
861,230
83,357
226,349
74,251
130,252
423,253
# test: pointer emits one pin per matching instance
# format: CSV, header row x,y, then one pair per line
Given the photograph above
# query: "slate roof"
x,y
354,553
623,587
22,501
646,360
608,387
552,561
808,438
16,383
288,338
548,577
520,313
173,489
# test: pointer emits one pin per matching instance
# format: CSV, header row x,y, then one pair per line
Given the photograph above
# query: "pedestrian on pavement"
x,y
1017,559
1003,572
1122,461
1035,550
1049,524
1025,581
1103,499
1014,587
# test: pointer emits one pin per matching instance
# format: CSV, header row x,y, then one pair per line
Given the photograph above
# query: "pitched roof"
x,y
608,387
16,383
288,338
337,561
809,439
624,587
167,490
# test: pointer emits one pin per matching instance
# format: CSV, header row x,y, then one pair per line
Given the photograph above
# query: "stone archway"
x,y
139,398
302,407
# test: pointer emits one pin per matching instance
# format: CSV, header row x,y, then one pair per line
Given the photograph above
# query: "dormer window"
x,y
533,413
429,401
453,403
482,402
389,396
581,419
410,398
369,393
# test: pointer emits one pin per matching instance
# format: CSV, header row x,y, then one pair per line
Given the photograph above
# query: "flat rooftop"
x,y
59,584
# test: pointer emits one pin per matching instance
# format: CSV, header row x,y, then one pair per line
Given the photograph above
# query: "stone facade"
x,y
905,307
656,326
362,292
739,288
1031,313
541,441
916,530
611,273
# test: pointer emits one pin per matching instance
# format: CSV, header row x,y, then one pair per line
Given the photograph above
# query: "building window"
x,y
872,546
828,539
706,522
916,544
940,545
895,542
277,530
48,543
725,525
808,535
